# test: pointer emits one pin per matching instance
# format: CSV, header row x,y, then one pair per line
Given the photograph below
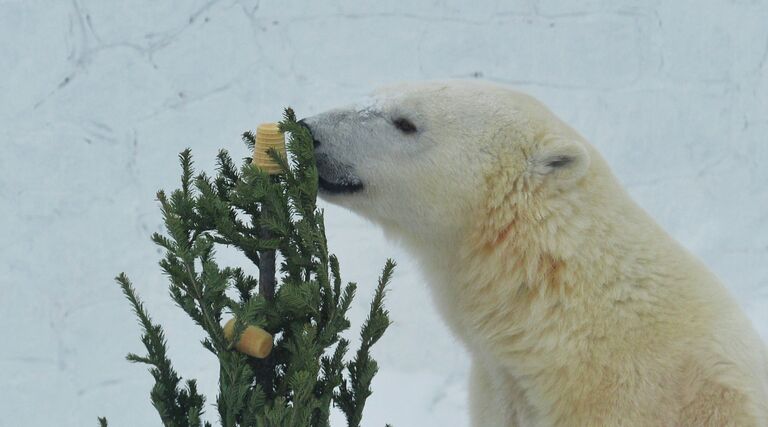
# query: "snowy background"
x,y
97,97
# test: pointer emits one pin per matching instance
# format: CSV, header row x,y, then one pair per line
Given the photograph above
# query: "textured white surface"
x,y
98,98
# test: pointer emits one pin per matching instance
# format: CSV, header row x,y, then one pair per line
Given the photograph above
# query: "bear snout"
x,y
304,123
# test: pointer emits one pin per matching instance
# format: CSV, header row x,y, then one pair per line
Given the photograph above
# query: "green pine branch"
x,y
251,211
177,407
356,389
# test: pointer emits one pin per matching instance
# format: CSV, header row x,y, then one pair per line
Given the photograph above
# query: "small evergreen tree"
x,y
247,209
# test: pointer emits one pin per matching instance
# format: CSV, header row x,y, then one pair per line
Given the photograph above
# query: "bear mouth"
x,y
338,187
334,177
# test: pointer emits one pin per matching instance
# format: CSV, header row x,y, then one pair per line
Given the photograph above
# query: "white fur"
x,y
577,308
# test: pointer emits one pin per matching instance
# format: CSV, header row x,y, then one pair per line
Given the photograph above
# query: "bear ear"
x,y
564,160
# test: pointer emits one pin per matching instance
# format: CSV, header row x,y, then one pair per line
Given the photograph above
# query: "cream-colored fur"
x,y
577,308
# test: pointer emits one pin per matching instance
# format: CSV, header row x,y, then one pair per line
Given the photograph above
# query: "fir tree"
x,y
257,213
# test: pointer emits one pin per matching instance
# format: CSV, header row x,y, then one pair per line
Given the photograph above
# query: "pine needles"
x,y
306,372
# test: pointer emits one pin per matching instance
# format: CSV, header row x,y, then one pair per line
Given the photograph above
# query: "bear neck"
x,y
539,258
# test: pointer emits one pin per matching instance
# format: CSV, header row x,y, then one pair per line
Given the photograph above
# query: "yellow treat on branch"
x,y
255,342
268,136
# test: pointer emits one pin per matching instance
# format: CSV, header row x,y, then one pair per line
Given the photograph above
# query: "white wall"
x,y
99,96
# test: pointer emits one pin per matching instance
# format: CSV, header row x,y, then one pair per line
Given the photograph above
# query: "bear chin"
x,y
335,177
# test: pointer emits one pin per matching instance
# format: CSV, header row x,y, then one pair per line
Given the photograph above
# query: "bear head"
x,y
426,160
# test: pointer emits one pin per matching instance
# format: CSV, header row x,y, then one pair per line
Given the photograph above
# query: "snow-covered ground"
x,y
97,98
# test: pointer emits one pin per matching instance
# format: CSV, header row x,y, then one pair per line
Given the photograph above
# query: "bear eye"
x,y
405,125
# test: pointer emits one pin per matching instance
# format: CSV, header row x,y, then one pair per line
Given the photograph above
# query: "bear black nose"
x,y
304,123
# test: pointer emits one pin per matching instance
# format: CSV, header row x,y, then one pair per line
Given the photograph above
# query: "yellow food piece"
x,y
268,136
255,342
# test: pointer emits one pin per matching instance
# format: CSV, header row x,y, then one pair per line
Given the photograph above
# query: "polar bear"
x,y
576,307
